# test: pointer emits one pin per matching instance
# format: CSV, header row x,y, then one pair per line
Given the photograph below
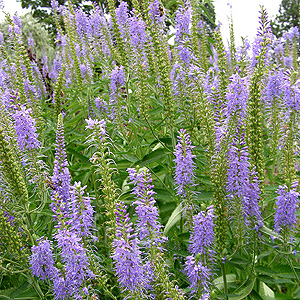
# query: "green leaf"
x,y
271,233
284,297
244,292
153,156
285,271
265,270
266,279
174,218
83,158
255,296
265,292
170,3
219,282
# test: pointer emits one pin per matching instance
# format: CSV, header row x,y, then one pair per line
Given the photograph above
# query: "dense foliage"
x,y
141,165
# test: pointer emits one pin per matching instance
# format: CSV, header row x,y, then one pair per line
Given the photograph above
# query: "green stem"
x,y
222,264
38,288
292,267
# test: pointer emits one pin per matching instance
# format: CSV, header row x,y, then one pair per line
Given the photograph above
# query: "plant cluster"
x,y
134,167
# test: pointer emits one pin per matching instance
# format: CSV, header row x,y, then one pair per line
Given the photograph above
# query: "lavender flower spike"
x,y
287,204
148,224
203,232
81,210
42,261
185,165
126,255
61,176
198,266
76,265
199,276
98,128
25,128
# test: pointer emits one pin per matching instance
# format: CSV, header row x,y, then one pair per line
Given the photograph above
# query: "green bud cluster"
x,y
195,40
58,91
116,30
222,64
142,89
275,126
217,166
289,161
11,241
71,33
164,288
163,64
204,49
255,118
255,123
108,187
11,169
205,120
232,46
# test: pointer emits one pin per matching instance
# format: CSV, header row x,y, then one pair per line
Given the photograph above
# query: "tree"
x,y
288,17
33,35
41,9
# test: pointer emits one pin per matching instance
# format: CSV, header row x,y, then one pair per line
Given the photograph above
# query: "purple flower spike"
x,y
60,209
76,269
183,19
148,224
117,79
42,261
287,204
185,165
198,275
61,176
97,126
128,264
122,17
203,232
241,182
237,97
154,11
81,210
25,128
137,32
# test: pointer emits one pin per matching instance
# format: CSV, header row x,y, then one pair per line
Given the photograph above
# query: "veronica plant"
x,y
184,172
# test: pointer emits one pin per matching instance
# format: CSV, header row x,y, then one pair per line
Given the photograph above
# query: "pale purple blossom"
x,y
126,253
242,183
61,176
137,32
149,227
184,160
117,79
287,205
81,210
76,263
202,235
27,136
42,260
199,276
183,19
